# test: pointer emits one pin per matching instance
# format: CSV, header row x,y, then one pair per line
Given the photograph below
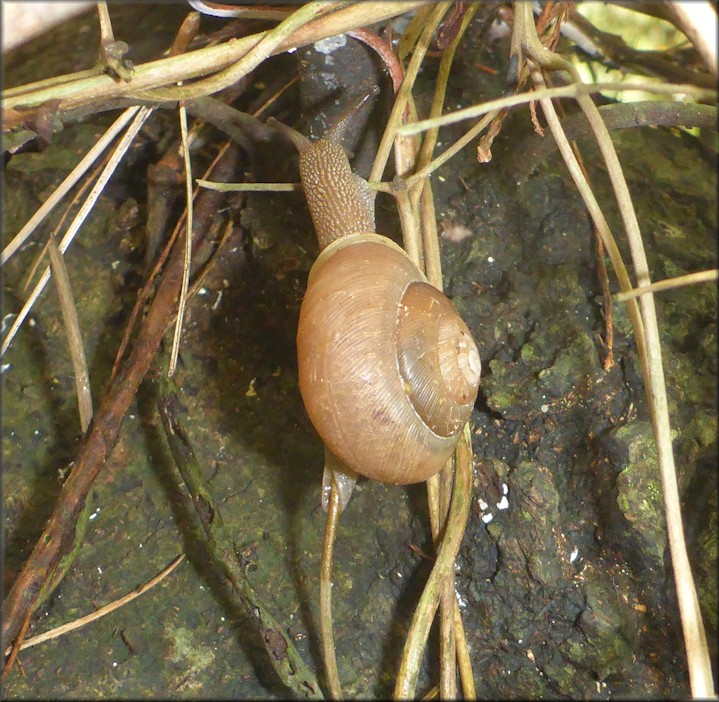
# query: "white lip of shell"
x,y
468,359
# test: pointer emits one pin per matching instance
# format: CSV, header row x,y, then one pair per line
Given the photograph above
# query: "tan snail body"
x,y
388,371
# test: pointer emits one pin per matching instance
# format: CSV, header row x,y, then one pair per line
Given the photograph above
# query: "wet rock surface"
x,y
563,577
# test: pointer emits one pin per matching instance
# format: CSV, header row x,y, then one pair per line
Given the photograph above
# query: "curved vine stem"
x,y
417,217
443,565
573,90
328,641
253,58
80,89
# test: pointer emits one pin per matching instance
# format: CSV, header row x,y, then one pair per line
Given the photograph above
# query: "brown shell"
x,y
378,370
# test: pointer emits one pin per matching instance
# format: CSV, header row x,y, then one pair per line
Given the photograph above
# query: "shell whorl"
x,y
437,359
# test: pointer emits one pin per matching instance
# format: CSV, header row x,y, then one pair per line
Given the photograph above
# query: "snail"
x,y
388,370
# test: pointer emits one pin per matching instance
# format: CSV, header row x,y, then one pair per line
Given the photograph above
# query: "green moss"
x,y
532,486
639,493
560,673
187,650
528,353
609,625
572,367
707,584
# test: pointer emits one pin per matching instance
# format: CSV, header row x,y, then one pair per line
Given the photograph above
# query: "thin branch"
x,y
51,550
283,655
262,50
102,611
614,52
75,94
669,283
573,90
188,244
144,294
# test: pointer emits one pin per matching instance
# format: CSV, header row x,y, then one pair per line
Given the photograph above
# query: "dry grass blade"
x,y
573,90
650,353
188,245
695,640
102,611
249,187
61,222
395,118
669,284
56,547
72,329
92,155
452,150
445,66
142,114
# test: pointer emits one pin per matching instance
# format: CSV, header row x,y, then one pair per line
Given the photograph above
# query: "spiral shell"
x,y
388,371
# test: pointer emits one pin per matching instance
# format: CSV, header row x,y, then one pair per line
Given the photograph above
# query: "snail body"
x,y
388,371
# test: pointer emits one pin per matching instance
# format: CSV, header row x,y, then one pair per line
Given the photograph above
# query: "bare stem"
x,y
670,283
573,90
328,641
444,563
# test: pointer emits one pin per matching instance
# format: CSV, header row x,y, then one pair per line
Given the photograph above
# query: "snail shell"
x,y
388,370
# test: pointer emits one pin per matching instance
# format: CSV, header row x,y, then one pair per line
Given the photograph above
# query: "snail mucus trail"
x,y
388,371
